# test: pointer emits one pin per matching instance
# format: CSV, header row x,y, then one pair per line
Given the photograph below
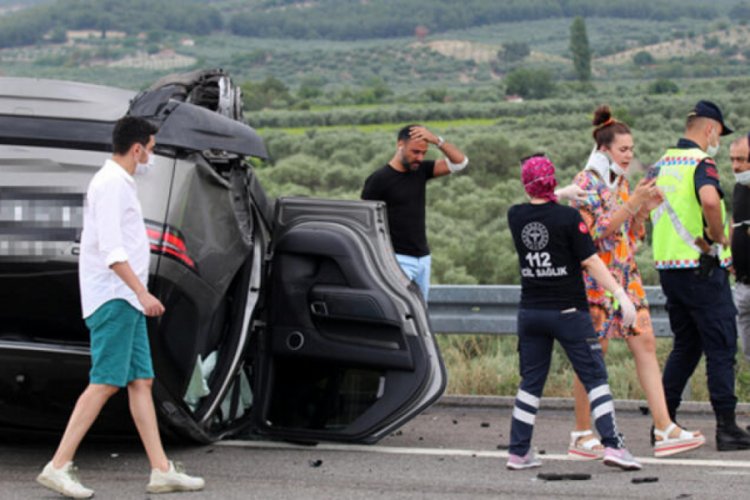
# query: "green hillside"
x,y
324,19
131,42
347,20
329,82
328,109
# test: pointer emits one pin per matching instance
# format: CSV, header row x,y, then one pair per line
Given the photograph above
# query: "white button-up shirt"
x,y
113,231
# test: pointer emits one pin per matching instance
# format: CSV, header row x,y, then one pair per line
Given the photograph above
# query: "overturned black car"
x,y
287,317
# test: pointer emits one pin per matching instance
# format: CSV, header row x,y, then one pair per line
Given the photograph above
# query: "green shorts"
x,y
120,352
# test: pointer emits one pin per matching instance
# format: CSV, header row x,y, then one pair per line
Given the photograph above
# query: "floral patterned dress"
x,y
617,251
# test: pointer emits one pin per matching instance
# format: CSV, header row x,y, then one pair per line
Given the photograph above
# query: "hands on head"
x,y
421,133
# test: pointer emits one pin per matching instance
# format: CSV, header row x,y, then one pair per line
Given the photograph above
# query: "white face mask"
x,y
144,168
712,150
743,177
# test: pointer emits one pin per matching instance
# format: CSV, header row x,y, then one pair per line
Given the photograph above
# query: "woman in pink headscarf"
x,y
554,247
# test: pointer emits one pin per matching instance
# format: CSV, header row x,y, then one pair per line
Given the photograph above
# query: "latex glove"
x,y
626,307
572,192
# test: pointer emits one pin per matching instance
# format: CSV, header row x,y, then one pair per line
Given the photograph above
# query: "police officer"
x,y
691,252
739,154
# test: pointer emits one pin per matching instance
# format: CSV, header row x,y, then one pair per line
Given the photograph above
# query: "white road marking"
x,y
453,452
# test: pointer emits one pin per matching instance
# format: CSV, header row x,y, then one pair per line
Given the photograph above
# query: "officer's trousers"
x,y
702,317
537,331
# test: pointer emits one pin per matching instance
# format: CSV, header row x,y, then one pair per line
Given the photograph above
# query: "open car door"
x,y
347,353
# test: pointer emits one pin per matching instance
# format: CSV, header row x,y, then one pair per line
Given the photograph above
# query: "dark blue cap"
x,y
707,109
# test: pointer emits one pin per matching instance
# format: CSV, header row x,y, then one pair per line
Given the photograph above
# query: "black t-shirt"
x,y
741,235
551,241
404,195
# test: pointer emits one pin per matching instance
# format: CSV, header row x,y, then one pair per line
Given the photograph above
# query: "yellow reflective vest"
x,y
679,220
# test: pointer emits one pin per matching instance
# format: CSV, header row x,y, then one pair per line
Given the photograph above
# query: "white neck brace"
x,y
602,164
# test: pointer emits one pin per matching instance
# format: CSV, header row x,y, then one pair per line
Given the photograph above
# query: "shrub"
x,y
530,83
663,86
643,58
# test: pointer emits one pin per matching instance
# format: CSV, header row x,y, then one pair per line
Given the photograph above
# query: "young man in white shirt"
x,y
113,273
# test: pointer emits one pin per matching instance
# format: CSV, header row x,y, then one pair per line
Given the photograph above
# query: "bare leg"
x,y
643,347
144,416
87,408
583,410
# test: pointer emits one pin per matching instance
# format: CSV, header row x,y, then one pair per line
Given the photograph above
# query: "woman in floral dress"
x,y
616,220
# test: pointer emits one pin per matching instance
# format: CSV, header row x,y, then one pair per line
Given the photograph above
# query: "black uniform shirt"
x,y
551,241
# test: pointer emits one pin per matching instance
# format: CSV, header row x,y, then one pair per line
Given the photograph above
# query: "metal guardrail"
x,y
492,309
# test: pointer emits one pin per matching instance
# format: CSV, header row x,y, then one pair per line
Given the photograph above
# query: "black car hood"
x,y
187,126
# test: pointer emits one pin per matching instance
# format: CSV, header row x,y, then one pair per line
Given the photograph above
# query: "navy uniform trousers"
x,y
702,317
537,331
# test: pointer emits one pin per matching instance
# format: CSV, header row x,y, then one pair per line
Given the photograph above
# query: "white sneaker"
x,y
620,457
63,481
528,461
174,479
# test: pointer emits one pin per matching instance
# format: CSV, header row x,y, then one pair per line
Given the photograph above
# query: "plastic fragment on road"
x,y
552,476
640,480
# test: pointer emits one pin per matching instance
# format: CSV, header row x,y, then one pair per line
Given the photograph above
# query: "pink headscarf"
x,y
538,177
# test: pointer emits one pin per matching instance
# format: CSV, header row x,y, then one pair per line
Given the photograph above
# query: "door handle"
x,y
319,308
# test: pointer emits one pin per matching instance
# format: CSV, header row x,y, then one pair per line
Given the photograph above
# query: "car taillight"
x,y
168,241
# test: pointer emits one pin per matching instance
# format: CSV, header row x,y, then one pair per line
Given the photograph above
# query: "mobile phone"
x,y
652,172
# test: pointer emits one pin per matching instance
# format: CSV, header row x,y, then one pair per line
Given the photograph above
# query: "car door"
x,y
346,353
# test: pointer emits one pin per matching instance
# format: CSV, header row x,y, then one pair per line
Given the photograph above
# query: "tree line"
x,y
346,20
31,25
327,19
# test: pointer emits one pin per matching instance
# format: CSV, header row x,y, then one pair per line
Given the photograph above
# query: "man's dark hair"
x,y
131,130
404,133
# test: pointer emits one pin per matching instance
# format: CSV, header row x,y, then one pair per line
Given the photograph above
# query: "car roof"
x,y
62,99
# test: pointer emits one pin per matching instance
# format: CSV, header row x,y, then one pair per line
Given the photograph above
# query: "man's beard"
x,y
410,167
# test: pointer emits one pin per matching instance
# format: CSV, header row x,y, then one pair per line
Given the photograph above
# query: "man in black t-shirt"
x,y
553,246
401,185
739,153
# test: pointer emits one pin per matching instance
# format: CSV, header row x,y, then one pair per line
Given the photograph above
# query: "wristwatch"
x,y
440,141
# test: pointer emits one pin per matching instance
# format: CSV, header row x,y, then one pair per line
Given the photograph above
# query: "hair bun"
x,y
602,114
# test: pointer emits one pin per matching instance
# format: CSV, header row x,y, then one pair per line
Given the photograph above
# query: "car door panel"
x,y
343,303
348,350
308,257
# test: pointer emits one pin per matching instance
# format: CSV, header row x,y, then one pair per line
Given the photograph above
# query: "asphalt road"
x,y
451,452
